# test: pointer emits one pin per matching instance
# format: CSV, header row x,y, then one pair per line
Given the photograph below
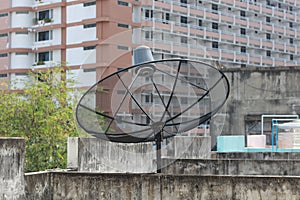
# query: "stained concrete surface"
x,y
12,154
232,167
74,185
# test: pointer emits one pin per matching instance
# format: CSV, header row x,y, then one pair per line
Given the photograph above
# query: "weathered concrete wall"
x,y
71,185
96,155
189,147
256,91
232,167
12,153
38,186
257,155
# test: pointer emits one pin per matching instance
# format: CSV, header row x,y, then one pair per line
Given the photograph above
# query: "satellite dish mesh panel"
x,y
165,96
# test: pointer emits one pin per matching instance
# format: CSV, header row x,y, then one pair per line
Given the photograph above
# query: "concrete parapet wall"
x,y
73,185
190,147
96,155
232,167
12,154
38,186
257,155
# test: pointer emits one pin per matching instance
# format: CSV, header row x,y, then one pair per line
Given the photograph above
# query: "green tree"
x,y
43,113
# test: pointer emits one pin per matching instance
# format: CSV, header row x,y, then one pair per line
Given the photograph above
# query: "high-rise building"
x,y
95,37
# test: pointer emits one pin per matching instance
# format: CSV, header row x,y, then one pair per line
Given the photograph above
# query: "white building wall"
x,y
78,34
22,20
22,40
22,3
45,2
77,56
57,15
17,81
76,13
57,56
21,61
82,78
56,37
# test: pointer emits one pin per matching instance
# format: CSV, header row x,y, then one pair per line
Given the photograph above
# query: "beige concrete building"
x,y
95,38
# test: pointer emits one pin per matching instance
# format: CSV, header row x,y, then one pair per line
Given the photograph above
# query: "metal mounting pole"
x,y
158,151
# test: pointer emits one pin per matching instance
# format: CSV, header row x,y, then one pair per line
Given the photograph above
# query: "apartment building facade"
x,y
95,38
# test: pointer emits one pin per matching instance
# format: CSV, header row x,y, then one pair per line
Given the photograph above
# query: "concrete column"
x,y
12,156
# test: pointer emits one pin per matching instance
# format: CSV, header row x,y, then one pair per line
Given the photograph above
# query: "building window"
x,y
183,20
92,3
21,74
126,48
291,57
4,35
43,36
22,12
214,26
214,7
268,53
149,35
121,92
184,100
243,13
3,75
21,54
3,14
243,31
89,48
44,56
291,41
166,19
122,69
183,39
89,70
199,22
215,45
268,19
243,49
168,16
183,3
123,25
148,98
268,36
89,25
148,13
45,14
291,24
2,55
21,33
123,3
243,65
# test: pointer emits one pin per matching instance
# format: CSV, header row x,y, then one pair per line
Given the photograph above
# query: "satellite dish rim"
x,y
105,136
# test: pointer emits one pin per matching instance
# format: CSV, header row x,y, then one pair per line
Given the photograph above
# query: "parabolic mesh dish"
x,y
165,96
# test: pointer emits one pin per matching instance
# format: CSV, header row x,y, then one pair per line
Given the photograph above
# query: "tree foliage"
x,y
43,113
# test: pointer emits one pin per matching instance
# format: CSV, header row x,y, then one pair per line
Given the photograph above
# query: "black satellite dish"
x,y
152,100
